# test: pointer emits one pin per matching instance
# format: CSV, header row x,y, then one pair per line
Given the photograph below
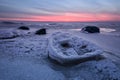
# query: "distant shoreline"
x,y
63,21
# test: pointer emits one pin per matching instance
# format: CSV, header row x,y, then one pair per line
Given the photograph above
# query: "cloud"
x,y
29,8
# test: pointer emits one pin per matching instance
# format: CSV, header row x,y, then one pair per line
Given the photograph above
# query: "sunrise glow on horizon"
x,y
60,10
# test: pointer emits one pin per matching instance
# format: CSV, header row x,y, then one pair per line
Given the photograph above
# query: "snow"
x,y
26,57
26,70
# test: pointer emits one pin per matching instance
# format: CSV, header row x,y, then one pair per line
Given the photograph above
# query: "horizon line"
x,y
56,21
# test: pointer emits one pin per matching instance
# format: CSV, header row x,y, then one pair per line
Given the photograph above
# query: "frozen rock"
x,y
11,33
8,34
66,48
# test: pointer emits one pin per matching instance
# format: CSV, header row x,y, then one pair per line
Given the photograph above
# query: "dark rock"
x,y
23,28
91,29
41,31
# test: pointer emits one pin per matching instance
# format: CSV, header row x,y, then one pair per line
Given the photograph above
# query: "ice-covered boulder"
x,y
8,34
91,29
11,33
66,48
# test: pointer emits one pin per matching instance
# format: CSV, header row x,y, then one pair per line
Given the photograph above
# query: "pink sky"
x,y
60,10
70,17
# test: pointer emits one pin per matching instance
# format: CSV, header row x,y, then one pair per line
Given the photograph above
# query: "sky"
x,y
60,10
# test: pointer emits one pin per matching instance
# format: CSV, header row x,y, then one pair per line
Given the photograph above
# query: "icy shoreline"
x,y
36,62
28,54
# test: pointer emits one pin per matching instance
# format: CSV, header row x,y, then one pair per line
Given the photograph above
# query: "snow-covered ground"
x,y
26,57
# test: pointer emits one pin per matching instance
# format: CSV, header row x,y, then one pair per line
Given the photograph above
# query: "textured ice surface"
x,y
95,70
25,58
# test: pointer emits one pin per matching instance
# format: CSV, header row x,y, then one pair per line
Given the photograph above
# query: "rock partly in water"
x,y
41,31
24,28
91,29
